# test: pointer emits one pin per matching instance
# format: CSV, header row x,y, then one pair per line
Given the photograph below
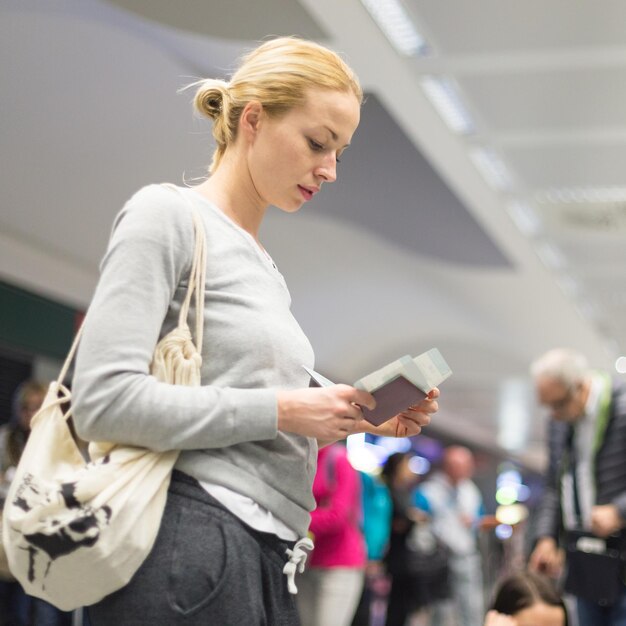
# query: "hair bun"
x,y
210,97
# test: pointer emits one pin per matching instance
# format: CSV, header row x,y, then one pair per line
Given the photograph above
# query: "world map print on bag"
x,y
60,536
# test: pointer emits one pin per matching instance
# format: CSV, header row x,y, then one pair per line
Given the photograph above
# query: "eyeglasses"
x,y
557,406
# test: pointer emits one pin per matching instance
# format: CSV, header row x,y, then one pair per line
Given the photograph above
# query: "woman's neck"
x,y
235,195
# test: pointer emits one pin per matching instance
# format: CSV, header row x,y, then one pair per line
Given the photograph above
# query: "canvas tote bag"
x,y
75,531
5,572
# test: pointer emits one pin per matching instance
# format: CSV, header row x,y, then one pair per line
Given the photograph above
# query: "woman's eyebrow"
x,y
334,135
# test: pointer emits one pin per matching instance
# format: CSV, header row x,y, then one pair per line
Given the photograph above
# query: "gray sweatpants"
x,y
206,568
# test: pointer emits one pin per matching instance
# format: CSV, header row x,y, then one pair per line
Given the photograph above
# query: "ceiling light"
x,y
444,97
569,285
526,220
620,365
580,195
492,168
588,310
550,255
393,19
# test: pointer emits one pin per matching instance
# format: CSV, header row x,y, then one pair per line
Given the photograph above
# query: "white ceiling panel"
x,y
229,19
536,101
602,255
557,165
491,26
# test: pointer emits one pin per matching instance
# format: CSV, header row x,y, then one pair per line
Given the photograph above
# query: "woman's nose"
x,y
328,169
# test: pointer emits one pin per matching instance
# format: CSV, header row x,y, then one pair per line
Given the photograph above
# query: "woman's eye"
x,y
315,145
318,147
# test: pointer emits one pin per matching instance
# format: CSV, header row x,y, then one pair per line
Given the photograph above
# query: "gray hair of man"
x,y
567,366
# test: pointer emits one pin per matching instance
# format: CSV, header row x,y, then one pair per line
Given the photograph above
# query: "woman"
x,y
527,599
241,493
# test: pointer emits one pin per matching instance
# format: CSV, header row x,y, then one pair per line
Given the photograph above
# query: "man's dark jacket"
x,y
609,466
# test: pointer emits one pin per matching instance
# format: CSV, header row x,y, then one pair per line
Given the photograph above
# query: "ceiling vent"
x,y
609,218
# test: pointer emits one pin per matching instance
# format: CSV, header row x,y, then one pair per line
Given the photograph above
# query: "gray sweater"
x,y
253,346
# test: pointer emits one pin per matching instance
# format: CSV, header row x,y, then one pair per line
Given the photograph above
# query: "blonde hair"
x,y
277,74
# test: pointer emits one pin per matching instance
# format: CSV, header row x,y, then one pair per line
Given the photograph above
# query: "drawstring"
x,y
296,562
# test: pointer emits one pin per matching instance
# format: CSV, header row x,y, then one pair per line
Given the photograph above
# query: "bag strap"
x,y
70,356
197,278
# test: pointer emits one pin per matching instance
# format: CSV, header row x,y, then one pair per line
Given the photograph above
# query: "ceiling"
x,y
413,247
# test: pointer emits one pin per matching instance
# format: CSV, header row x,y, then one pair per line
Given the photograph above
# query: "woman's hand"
x,y
326,413
407,423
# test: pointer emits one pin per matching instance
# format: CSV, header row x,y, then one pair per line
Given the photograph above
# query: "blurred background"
x,y
481,208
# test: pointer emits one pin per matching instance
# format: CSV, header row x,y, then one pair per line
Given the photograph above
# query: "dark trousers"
x,y
15,605
206,568
19,609
592,614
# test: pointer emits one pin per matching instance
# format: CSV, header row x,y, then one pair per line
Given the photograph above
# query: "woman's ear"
x,y
250,120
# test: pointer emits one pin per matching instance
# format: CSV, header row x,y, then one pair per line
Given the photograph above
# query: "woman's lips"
x,y
307,192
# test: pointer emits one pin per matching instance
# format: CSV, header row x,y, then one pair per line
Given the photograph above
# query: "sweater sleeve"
x,y
114,396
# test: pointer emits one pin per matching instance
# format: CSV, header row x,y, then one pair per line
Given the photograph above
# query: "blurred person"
x,y
585,484
377,512
238,510
16,607
26,401
455,505
527,599
414,583
330,587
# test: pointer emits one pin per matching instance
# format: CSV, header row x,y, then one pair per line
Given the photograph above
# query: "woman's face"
x,y
291,156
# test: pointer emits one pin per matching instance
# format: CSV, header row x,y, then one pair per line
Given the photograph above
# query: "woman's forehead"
x,y
541,614
337,111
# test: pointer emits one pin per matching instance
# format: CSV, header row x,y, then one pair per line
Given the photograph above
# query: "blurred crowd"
x,y
400,546
430,554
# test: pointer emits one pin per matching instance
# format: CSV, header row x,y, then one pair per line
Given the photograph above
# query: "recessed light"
x,y
444,97
491,167
393,19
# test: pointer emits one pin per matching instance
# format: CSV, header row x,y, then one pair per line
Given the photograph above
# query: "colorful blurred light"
x,y
503,532
506,495
511,514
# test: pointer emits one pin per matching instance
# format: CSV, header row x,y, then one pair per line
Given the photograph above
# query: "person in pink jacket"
x,y
330,588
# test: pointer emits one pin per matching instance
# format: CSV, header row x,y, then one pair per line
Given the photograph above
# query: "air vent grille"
x,y
609,218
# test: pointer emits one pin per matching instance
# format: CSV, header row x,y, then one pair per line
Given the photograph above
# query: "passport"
x,y
397,385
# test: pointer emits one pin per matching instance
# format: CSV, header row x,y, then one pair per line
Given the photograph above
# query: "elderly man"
x,y
585,490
